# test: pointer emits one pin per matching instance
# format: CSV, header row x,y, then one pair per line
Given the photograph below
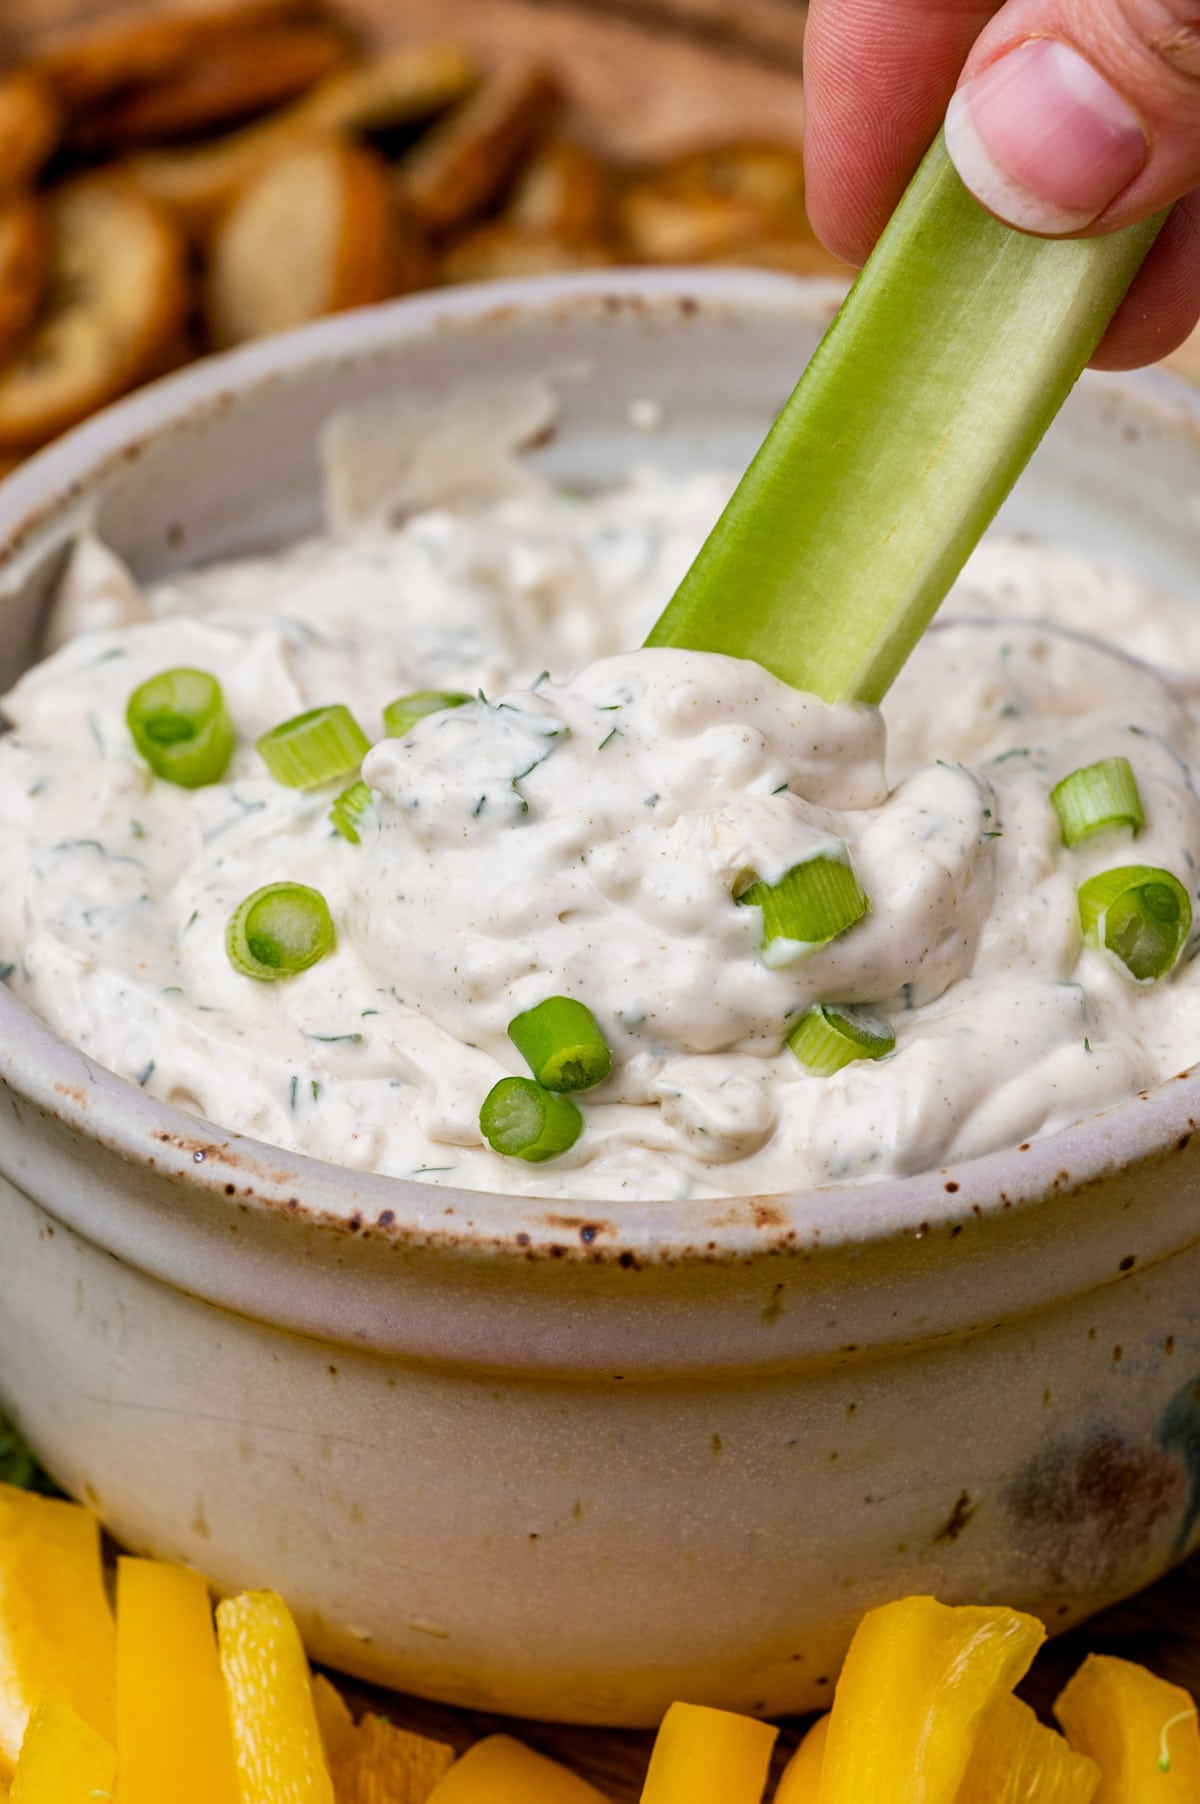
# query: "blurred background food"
x,y
176,179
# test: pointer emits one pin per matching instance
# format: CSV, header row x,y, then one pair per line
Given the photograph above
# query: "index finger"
x,y
878,76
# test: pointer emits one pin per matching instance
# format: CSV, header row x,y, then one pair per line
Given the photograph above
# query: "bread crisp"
x,y
30,129
467,162
498,250
93,67
397,88
710,201
315,234
223,85
25,258
116,311
565,191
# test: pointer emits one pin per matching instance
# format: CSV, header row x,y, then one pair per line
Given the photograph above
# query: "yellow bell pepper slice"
x,y
1141,1732
1017,1759
919,1682
800,1781
173,1734
704,1756
391,1766
374,1762
276,1741
62,1760
499,1770
56,1629
338,1733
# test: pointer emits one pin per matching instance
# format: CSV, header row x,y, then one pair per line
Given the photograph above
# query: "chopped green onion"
x,y
1140,916
925,400
349,810
279,930
402,715
181,726
562,1045
524,1121
315,747
1097,797
834,1034
810,905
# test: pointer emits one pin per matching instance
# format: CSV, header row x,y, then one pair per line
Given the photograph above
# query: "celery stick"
x,y
926,398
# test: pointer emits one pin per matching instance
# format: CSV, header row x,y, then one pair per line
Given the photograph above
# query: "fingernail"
x,y
1042,140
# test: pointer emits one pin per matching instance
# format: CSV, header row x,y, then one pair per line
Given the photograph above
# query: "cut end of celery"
x,y
925,400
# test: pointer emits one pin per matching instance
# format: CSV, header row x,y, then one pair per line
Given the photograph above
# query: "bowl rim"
x,y
95,1105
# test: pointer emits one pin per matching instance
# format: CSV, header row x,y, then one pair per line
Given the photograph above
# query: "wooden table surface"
x,y
651,76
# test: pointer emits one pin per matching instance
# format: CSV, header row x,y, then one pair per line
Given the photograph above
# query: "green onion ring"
x,y
524,1121
562,1044
315,747
831,1035
1097,797
811,904
278,931
181,726
402,715
1139,916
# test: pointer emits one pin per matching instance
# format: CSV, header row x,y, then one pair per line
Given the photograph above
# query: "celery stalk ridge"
x,y
923,403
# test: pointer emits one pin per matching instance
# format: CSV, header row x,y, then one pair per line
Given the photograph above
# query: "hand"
x,y
1064,117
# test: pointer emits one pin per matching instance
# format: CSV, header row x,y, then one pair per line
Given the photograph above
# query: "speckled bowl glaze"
x,y
575,1462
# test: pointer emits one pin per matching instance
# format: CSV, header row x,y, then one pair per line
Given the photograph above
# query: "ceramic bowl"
x,y
574,1462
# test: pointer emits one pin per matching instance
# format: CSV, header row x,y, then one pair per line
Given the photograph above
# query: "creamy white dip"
x,y
581,832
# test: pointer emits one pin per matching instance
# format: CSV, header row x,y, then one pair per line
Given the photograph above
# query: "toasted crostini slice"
x,y
224,85
117,303
564,190
468,161
398,88
315,234
30,129
797,254
89,68
704,203
493,252
24,266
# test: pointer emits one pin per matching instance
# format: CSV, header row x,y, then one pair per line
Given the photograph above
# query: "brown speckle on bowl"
x,y
958,1518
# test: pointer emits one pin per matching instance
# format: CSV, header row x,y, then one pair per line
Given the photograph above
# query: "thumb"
x,y
1078,114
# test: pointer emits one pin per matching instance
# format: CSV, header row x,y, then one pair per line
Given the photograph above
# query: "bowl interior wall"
x,y
242,473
